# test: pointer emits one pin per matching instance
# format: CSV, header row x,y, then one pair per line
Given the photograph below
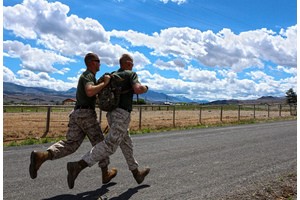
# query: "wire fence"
x,y
35,121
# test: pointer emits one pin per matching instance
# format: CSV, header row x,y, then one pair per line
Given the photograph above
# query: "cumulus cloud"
x,y
35,59
222,49
31,79
8,75
50,23
219,84
292,71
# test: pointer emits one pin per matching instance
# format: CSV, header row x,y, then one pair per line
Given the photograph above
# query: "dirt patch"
x,y
282,188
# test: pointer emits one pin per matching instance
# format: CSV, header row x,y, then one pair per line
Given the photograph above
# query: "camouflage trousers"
x,y
82,122
118,135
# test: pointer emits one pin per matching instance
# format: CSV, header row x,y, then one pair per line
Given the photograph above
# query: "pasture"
x,y
35,121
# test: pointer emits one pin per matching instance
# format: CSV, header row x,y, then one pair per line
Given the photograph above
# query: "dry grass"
x,y
26,124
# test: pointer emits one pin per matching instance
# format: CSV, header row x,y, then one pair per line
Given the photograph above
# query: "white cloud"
x,y
30,79
174,1
33,19
35,59
50,25
174,65
287,70
222,49
197,75
8,75
230,86
257,75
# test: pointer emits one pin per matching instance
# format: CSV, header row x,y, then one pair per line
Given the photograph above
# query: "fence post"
x,y
239,113
268,111
140,118
254,111
173,116
47,122
221,114
200,115
279,110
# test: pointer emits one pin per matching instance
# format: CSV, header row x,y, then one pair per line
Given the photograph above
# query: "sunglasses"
x,y
130,62
98,61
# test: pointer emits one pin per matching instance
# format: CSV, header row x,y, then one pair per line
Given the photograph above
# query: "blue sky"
x,y
200,49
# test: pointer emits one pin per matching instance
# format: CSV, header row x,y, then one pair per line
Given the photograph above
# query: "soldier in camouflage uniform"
x,y
82,122
118,135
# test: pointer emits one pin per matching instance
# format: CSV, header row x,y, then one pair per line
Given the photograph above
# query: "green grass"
x,y
31,141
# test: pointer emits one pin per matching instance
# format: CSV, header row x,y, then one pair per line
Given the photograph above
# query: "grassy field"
x,y
28,123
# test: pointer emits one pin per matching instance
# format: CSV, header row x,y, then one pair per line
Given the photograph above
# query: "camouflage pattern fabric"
x,y
118,121
82,122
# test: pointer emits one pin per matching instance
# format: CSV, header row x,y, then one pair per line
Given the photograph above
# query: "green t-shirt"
x,y
82,99
130,78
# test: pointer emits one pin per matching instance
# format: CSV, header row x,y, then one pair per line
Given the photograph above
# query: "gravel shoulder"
x,y
280,188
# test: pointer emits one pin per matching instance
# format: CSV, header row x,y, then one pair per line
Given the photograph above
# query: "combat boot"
x,y
139,176
107,175
74,168
36,160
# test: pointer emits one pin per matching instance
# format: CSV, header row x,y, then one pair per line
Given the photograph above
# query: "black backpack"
x,y
109,96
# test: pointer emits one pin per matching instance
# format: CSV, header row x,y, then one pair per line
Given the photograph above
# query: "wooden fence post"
x,y
221,114
279,110
254,111
140,118
239,113
47,122
268,111
200,115
173,116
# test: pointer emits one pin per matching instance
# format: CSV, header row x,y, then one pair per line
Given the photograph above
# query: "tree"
x,y
291,96
139,102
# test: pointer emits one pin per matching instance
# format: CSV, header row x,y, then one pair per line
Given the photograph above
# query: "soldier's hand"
x,y
106,79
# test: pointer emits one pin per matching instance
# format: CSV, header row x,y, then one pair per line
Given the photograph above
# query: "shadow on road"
x,y
131,191
96,194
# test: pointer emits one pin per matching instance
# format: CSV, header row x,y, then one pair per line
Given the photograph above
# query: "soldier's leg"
x,y
95,136
127,150
103,149
74,137
60,149
118,120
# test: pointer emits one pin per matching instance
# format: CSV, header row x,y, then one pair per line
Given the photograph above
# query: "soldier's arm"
x,y
92,90
139,88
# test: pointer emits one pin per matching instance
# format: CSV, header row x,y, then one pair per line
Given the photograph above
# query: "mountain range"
x,y
17,94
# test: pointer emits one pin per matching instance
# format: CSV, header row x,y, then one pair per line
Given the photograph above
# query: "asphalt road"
x,y
193,164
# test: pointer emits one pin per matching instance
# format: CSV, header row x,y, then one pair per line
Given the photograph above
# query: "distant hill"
x,y
13,93
160,98
261,100
16,94
11,88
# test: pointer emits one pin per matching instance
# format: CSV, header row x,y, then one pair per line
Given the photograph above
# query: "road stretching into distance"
x,y
192,164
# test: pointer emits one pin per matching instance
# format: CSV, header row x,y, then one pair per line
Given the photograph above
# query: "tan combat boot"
x,y
74,168
36,160
139,176
107,175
